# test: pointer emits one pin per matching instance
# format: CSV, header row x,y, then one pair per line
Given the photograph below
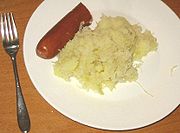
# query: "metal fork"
x,y
11,45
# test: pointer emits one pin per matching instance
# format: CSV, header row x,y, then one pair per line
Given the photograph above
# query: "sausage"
x,y
56,38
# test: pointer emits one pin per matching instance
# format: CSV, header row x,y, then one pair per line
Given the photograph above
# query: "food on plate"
x,y
105,56
63,31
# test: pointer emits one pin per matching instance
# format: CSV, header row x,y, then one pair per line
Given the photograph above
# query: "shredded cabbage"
x,y
104,56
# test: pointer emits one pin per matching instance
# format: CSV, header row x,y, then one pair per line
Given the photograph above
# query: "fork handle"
x,y
22,112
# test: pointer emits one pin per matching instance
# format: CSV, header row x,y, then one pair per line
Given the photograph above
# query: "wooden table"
x,y
44,118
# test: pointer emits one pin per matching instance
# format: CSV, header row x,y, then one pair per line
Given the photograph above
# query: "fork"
x,y
11,45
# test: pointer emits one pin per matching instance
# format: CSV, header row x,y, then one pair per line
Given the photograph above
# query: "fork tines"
x,y
8,27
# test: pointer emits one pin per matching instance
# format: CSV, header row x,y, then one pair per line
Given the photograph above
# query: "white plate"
x,y
128,106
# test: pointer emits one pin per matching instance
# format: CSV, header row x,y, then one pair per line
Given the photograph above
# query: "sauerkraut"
x,y
104,56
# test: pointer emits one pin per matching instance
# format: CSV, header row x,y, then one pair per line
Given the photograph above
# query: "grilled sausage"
x,y
56,38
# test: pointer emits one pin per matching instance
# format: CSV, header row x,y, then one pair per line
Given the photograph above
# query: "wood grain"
x,y
44,118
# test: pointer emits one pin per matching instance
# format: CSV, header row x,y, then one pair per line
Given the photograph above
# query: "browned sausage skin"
x,y
63,31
